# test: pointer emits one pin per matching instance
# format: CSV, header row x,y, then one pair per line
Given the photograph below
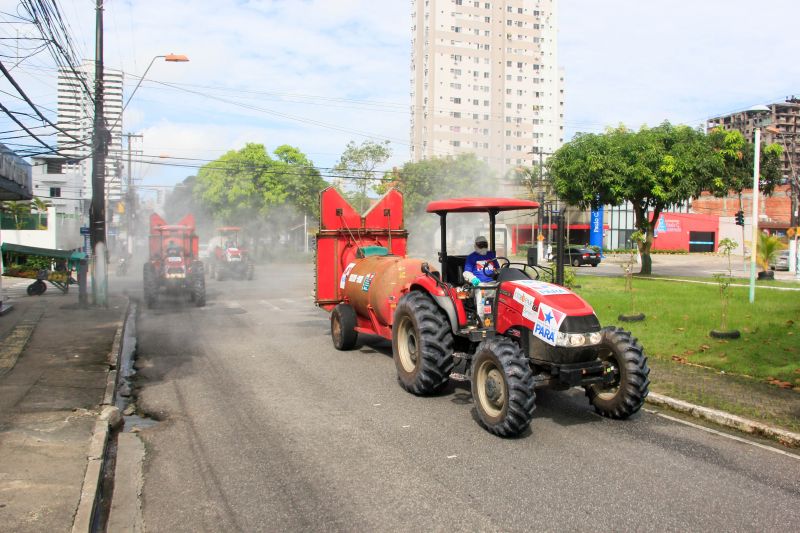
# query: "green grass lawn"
x,y
680,316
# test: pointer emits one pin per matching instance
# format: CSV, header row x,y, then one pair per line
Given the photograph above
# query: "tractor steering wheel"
x,y
494,271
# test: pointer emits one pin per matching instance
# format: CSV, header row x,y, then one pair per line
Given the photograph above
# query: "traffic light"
x,y
740,218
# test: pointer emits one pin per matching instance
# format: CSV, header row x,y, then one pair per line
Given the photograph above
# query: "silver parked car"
x,y
781,261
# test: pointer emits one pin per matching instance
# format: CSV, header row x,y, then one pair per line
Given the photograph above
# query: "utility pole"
x,y
97,215
130,203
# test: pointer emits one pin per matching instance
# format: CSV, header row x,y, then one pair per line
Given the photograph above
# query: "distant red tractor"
x,y
525,333
174,266
227,258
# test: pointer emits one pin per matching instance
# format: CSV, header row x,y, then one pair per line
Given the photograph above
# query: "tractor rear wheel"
x,y
150,284
343,327
198,287
626,393
422,344
503,388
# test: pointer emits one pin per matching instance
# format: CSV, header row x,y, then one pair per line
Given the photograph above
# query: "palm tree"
x,y
767,249
17,210
41,207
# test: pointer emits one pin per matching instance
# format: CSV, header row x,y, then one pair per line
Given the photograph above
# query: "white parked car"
x,y
781,261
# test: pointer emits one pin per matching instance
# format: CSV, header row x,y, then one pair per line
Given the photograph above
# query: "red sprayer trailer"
x,y
527,332
173,265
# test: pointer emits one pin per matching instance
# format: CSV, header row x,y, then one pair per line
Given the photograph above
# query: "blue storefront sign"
x,y
596,228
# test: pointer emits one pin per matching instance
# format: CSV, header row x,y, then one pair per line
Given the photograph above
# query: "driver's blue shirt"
x,y
475,263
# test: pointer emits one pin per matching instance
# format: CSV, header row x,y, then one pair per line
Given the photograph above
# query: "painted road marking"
x,y
722,434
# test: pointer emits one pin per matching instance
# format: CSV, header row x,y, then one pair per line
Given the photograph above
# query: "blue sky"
x,y
319,73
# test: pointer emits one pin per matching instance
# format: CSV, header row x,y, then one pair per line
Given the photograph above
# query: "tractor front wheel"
x,y
422,344
150,284
628,366
503,388
343,327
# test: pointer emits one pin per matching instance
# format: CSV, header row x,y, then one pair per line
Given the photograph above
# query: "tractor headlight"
x,y
576,340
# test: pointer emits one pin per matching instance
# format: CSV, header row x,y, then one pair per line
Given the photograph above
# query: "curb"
x,y
728,420
85,515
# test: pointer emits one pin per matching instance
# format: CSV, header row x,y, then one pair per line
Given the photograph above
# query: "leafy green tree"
x,y
301,179
248,187
440,177
435,179
653,169
359,162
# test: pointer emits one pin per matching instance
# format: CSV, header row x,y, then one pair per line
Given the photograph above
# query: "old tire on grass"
x,y
150,284
727,334
422,344
503,388
343,327
626,393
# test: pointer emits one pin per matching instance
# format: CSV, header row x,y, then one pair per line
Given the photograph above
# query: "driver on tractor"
x,y
479,269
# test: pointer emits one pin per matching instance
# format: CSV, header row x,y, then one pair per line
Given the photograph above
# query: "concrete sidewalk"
x,y
54,370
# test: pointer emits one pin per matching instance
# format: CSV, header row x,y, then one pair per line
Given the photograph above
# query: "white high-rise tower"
x,y
485,79
76,116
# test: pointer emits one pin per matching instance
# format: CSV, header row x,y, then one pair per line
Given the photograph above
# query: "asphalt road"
x,y
266,427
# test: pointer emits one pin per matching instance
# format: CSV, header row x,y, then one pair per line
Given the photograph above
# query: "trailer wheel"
x,y
37,288
343,327
503,388
150,285
250,272
628,364
218,274
422,344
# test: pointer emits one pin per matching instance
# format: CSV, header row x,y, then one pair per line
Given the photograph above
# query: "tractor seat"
x,y
454,269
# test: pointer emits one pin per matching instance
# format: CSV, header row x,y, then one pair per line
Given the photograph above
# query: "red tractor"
x,y
529,333
227,258
174,266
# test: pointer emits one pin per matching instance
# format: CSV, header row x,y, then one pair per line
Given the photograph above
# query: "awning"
x,y
71,256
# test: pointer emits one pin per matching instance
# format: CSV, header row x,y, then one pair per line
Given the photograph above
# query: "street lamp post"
x,y
100,139
757,111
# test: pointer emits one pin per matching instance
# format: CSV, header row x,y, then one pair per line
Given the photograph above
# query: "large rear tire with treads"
x,y
422,344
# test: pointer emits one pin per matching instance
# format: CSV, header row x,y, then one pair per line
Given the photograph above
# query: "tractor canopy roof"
x,y
479,205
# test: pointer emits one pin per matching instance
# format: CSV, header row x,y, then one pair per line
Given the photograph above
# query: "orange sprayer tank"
x,y
377,282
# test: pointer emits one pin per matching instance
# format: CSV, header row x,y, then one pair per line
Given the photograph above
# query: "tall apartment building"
x,y
485,79
76,118
783,129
